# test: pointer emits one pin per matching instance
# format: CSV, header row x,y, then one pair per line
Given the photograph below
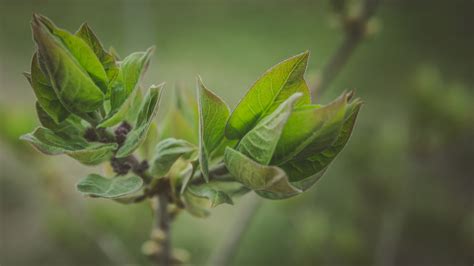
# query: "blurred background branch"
x,y
355,29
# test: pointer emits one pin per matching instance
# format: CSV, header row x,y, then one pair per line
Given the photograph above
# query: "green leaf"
x,y
80,50
146,149
116,116
98,186
215,196
269,181
301,168
260,142
268,92
72,84
176,125
70,127
167,152
148,111
47,142
122,96
45,93
213,114
310,129
135,104
196,206
106,59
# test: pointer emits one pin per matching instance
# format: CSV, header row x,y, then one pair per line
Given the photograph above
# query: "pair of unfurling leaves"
x,y
275,142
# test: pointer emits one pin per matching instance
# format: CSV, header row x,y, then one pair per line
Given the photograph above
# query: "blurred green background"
x,y
401,193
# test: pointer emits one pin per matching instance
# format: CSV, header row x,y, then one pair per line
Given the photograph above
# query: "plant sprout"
x,y
91,107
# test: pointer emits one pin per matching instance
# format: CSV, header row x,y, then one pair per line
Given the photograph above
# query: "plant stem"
x,y
227,250
163,224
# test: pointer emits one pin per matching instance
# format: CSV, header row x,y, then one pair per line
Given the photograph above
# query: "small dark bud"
x,y
121,132
120,166
142,167
91,135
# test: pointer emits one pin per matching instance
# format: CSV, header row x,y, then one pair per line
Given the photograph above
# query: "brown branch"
x,y
163,224
355,30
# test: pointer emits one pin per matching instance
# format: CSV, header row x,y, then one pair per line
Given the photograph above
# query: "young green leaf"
x,y
146,149
215,196
311,128
79,49
213,114
107,60
122,95
117,115
260,142
269,181
70,127
45,93
274,87
167,152
196,206
301,168
176,125
47,142
98,186
145,117
72,84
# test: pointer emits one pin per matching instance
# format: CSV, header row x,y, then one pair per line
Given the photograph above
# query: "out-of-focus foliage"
x,y
400,194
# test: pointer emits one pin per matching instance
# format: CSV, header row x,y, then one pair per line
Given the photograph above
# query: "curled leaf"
x,y
50,143
167,152
269,181
260,142
215,196
301,168
311,129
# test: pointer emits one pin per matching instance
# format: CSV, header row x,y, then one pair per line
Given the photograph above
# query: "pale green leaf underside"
x,y
98,186
148,110
213,194
260,142
49,143
268,92
213,114
167,152
272,181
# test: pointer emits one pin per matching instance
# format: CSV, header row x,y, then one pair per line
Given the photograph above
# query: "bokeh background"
x,y
401,193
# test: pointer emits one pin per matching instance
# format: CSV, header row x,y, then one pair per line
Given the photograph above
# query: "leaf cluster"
x,y
274,142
